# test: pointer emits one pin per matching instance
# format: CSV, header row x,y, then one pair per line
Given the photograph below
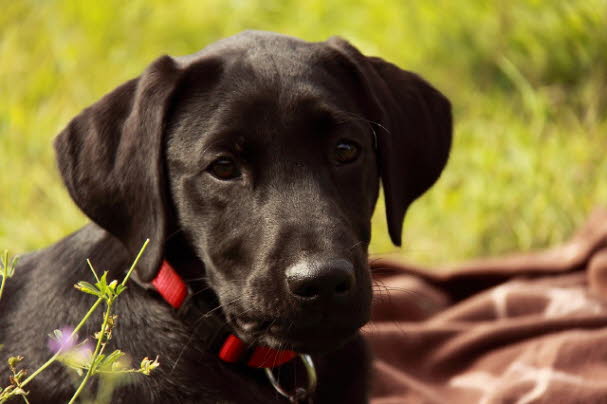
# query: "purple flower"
x,y
61,340
73,354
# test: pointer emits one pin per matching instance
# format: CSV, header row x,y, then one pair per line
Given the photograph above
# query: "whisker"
x,y
355,117
355,245
200,291
200,278
197,325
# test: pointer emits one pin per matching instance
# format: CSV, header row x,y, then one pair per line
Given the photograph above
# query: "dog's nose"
x,y
328,281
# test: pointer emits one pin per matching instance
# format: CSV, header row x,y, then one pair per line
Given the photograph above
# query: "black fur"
x,y
139,162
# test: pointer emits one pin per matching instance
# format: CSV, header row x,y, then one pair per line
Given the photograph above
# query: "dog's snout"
x,y
326,281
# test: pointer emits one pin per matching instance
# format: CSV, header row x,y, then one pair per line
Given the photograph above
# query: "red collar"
x,y
173,290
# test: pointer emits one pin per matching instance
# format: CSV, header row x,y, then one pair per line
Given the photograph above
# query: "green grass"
x,y
528,80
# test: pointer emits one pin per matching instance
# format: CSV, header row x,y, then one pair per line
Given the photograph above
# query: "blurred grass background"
x,y
527,78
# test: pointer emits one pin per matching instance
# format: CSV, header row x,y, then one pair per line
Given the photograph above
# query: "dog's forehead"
x,y
253,62
257,44
298,122
267,83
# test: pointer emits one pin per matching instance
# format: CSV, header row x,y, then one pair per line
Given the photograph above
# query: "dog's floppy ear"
x,y
415,140
413,129
110,158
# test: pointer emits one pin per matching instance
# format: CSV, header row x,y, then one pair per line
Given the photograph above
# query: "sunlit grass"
x,y
527,80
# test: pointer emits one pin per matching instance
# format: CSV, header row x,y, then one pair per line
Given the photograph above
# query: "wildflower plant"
x,y
7,269
85,359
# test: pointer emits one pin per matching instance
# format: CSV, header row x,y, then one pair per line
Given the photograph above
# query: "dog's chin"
x,y
305,339
311,344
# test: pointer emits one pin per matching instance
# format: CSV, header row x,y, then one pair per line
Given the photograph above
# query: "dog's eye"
x,y
224,168
346,152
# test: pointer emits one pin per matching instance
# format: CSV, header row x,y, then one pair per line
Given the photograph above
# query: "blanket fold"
x,y
526,328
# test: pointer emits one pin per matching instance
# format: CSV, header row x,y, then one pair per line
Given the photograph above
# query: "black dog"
x,y
253,166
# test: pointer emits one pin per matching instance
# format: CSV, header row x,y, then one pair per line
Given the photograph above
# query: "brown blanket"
x,y
523,329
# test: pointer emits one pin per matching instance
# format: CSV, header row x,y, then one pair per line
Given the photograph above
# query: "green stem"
x,y
86,317
112,372
4,276
117,372
128,274
4,272
98,349
2,285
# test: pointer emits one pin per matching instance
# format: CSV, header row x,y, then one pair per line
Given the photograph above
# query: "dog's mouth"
x,y
300,336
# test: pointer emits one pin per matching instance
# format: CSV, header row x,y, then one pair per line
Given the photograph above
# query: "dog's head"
x,y
266,153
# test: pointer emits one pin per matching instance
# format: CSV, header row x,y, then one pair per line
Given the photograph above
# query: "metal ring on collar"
x,y
300,393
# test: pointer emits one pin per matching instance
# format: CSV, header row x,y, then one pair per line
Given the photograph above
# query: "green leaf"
x,y
13,361
120,289
112,361
102,284
147,365
11,267
7,267
86,287
99,359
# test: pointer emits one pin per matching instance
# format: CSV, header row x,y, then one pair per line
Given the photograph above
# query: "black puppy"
x,y
254,167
